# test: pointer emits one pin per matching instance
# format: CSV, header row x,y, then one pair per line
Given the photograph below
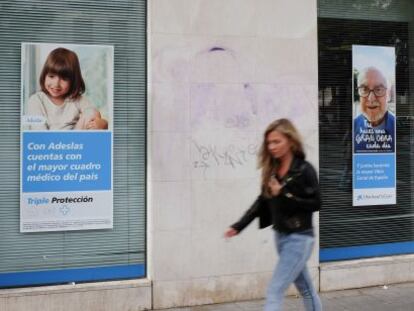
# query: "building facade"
x,y
195,83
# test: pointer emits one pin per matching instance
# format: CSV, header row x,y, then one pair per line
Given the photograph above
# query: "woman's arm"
x,y
90,118
97,123
248,216
309,196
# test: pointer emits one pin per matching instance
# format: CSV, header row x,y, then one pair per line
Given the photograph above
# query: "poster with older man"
x,y
374,125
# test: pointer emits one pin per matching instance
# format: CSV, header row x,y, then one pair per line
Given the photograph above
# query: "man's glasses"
x,y
378,91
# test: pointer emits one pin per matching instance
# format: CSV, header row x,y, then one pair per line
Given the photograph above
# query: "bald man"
x,y
374,128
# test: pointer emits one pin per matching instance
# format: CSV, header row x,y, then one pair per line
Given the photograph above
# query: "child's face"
x,y
56,86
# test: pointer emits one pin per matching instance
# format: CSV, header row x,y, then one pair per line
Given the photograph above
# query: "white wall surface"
x,y
131,295
219,72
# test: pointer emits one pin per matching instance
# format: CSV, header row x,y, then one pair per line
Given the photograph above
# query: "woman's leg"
x,y
310,296
294,250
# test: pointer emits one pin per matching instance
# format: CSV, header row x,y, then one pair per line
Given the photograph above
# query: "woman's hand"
x,y
274,186
97,124
230,232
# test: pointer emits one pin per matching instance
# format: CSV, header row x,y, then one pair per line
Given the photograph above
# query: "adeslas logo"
x,y
373,196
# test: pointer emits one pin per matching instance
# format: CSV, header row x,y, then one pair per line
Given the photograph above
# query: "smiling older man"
x,y
374,128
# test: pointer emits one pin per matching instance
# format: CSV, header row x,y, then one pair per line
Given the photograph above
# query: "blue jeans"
x,y
294,251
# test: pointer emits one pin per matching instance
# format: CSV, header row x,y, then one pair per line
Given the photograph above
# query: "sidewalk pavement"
x,y
395,297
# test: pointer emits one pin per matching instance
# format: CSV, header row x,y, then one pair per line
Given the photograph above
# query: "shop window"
x,y
80,255
348,231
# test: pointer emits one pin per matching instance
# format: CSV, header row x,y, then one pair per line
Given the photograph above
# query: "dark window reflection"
x,y
341,224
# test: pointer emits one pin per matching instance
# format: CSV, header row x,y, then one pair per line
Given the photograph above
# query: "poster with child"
x,y
66,137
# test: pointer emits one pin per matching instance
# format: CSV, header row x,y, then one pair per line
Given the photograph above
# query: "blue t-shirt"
x,y
368,138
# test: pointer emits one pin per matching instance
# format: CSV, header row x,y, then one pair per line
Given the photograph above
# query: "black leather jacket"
x,y
291,210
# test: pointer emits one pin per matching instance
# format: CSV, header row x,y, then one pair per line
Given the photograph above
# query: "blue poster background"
x,y
374,171
66,161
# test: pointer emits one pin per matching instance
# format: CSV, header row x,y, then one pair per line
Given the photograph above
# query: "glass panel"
x,y
121,24
340,25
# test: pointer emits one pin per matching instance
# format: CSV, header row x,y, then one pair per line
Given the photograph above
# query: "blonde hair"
x,y
266,162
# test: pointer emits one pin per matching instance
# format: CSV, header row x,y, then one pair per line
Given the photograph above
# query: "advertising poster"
x,y
374,125
66,137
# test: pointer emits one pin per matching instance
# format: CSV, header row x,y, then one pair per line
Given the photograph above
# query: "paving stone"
x,y
395,297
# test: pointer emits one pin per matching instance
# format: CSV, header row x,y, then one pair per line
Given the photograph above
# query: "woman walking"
x,y
289,196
